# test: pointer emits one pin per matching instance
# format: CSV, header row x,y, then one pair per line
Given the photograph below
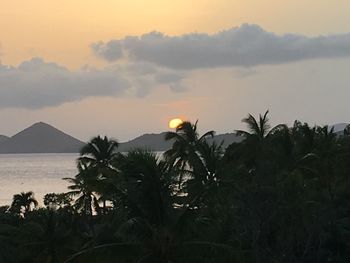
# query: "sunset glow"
x,y
174,123
65,62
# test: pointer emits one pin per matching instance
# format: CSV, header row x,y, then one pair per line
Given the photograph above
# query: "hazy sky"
x,y
123,68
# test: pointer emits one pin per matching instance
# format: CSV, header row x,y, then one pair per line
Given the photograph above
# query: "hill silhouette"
x,y
44,138
3,138
157,142
152,141
40,138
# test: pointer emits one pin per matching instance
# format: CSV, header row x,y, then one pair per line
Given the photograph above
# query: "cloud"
x,y
138,64
110,51
36,84
144,76
244,46
172,79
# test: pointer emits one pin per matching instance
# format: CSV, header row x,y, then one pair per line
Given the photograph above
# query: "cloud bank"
x,y
140,63
36,84
244,46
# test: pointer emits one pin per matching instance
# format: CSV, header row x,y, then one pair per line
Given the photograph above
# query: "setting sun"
x,y
174,123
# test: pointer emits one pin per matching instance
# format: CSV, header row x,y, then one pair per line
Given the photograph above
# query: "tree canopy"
x,y
282,194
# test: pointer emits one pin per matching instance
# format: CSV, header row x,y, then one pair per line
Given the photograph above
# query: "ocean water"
x,y
40,173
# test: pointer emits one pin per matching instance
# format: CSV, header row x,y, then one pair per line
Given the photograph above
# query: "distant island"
x,y
40,138
156,142
44,138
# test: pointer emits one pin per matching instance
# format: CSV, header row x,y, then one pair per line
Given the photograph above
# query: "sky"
x,y
124,68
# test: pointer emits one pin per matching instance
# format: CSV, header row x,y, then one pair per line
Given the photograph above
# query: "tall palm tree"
x,y
23,202
260,129
100,155
83,190
256,139
184,154
211,155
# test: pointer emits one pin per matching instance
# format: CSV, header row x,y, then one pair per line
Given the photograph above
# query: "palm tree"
x,y
211,155
257,137
100,155
279,195
259,130
83,189
23,202
156,229
184,153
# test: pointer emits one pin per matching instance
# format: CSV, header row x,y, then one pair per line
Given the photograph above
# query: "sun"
x,y
174,123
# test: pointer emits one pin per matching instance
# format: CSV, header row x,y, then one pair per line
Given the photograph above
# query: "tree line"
x,y
281,194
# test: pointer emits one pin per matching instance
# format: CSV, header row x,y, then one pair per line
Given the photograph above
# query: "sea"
x,y
40,173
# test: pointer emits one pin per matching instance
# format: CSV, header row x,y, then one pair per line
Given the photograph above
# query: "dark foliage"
x,y
281,195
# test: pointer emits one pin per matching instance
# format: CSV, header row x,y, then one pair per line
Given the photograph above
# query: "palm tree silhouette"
x,y
155,232
280,195
256,139
184,153
260,129
100,155
83,190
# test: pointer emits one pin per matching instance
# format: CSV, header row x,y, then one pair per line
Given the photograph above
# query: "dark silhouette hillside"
x,y
157,142
40,138
227,139
44,138
277,194
3,138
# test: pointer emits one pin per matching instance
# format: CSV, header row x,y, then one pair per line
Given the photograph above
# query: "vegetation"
x,y
280,195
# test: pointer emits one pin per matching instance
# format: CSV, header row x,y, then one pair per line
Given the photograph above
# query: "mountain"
x,y
227,139
44,138
40,138
3,138
156,142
